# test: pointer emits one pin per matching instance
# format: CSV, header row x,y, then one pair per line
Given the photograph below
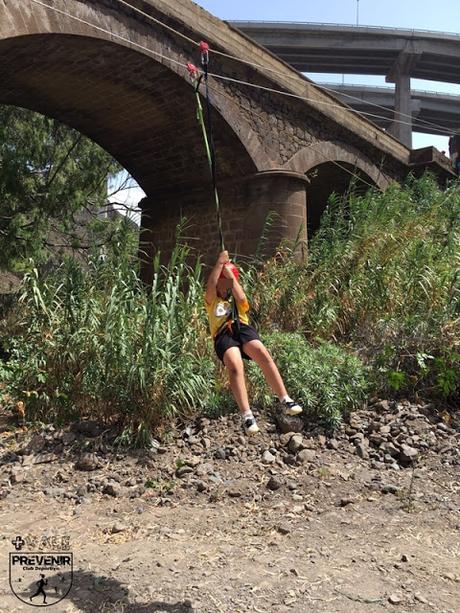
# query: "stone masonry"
x,y
119,78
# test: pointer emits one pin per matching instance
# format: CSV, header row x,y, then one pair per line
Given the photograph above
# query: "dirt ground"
x,y
246,533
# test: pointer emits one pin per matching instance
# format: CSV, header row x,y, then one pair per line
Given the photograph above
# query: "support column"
x,y
403,110
400,76
280,193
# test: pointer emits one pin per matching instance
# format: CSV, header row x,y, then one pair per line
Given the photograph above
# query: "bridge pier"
x,y
283,195
245,204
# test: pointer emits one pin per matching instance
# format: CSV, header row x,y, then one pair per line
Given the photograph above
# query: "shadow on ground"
x,y
92,593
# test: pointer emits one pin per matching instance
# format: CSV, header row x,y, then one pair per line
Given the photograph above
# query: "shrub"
x,y
97,343
382,275
326,379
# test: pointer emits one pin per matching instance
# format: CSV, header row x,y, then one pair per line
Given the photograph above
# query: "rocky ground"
x,y
209,520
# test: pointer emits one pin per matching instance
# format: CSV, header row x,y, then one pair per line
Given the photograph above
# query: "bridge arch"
x,y
138,106
333,168
124,84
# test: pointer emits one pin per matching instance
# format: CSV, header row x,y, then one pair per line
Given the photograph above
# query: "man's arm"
x,y
214,276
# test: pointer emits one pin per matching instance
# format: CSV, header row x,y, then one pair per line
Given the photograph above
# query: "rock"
x,y
383,406
206,442
88,428
234,492
112,489
204,469
362,451
285,438
391,449
344,502
332,444
183,470
36,444
87,461
274,483
389,489
407,454
268,458
421,598
137,491
193,461
306,455
376,439
82,490
68,438
394,599
201,486
220,454
288,423
44,458
283,529
295,443
118,527
17,476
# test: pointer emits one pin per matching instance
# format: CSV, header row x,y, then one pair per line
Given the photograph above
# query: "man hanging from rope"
x,y
234,339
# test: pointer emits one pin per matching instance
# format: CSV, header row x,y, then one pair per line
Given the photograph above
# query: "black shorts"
x,y
224,340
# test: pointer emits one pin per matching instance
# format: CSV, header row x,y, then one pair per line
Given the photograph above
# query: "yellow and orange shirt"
x,y
219,312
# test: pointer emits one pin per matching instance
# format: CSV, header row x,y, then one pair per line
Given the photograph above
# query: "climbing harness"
x,y
210,151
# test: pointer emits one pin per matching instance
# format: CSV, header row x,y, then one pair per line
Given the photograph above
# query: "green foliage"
x,y
382,275
326,379
96,342
380,287
48,173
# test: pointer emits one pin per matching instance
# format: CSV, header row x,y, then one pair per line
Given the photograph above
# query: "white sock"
x,y
286,399
247,414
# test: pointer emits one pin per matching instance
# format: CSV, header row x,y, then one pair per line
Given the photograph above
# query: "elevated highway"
x,y
397,54
432,112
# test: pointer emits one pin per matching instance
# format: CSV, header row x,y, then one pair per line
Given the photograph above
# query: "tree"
x,y
49,174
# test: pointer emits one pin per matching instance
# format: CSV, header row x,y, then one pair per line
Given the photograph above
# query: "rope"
x,y
413,122
210,152
153,53
438,129
205,64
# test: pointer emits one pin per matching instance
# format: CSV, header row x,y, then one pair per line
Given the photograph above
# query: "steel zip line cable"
x,y
222,77
413,123
440,129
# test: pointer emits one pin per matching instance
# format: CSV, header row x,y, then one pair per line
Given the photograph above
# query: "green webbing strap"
x,y
211,157
210,152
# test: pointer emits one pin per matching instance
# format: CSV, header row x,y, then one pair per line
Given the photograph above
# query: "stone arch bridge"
x,y
119,77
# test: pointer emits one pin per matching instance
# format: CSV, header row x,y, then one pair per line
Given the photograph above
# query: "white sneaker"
x,y
250,425
291,408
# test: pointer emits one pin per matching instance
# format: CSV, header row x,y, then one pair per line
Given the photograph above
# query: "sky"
x,y
442,15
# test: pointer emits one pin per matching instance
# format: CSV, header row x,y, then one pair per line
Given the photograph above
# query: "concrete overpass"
x,y
395,53
433,113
